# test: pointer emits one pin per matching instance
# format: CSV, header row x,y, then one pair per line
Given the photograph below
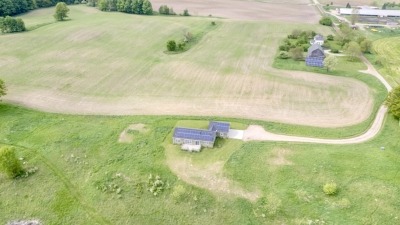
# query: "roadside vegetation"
x,y
393,102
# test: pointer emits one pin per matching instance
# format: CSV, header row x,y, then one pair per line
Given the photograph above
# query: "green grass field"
x,y
114,63
79,157
387,50
85,176
344,68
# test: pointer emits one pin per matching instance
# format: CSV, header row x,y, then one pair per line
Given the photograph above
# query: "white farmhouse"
x,y
318,39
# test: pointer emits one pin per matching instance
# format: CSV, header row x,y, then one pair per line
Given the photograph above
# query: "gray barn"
x,y
315,56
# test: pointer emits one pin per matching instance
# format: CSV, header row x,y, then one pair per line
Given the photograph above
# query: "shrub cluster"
x,y
330,188
9,163
141,7
155,185
295,44
326,21
174,46
11,25
165,10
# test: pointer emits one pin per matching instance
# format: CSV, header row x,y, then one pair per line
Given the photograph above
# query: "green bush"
x,y
171,45
10,25
284,48
213,23
186,12
9,164
164,10
326,21
181,45
330,37
283,55
155,185
330,188
334,50
305,47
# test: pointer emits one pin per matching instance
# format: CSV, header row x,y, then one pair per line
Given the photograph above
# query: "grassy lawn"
x,y
344,68
79,159
387,52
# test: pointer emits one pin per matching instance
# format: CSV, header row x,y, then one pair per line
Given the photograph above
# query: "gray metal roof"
x,y
314,47
370,12
219,126
319,37
194,134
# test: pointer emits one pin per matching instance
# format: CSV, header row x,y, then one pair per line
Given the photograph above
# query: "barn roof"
x,y
319,37
314,47
219,126
370,12
194,134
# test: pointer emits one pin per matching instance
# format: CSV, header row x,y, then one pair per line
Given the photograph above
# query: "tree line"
x,y
14,7
141,7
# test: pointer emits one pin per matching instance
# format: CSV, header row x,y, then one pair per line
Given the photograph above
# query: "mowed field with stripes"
x,y
388,50
115,64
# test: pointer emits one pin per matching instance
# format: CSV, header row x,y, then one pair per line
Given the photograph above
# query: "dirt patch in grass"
x,y
209,178
127,135
279,157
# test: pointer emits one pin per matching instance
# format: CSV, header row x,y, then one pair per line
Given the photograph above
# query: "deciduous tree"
x,y
61,11
3,90
330,62
9,163
353,50
147,8
171,45
366,46
326,21
297,53
393,102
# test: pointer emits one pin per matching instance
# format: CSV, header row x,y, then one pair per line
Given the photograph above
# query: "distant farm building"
x,y
370,12
193,139
318,39
315,56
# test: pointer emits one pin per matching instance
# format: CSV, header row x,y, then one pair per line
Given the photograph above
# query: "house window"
x,y
197,142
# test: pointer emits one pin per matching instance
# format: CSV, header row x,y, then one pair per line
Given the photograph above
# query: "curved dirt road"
x,y
257,133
